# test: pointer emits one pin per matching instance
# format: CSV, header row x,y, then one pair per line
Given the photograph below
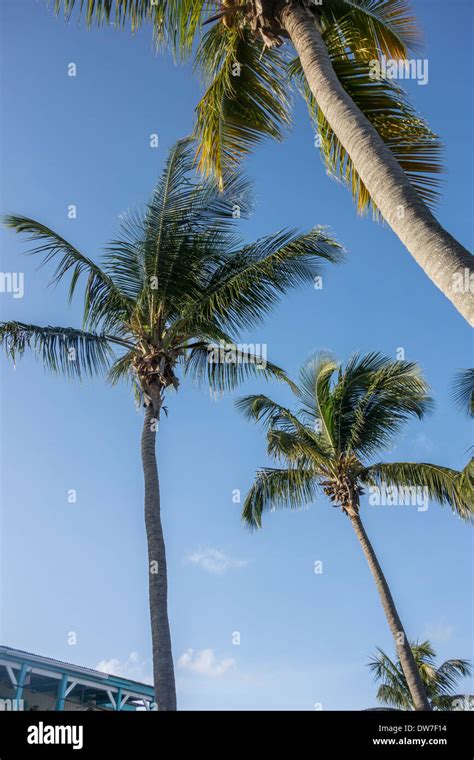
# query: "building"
x,y
32,682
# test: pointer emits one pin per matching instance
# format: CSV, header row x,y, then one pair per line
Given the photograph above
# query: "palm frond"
x,y
314,392
463,391
438,682
103,301
61,349
246,99
224,366
442,484
416,148
374,398
241,291
287,436
174,22
273,488
388,26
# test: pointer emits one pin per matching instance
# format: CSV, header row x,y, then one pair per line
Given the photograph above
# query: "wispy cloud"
x,y
205,663
423,444
439,632
215,561
133,667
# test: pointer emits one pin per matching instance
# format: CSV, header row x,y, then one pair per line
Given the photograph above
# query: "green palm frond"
x,y
316,377
224,366
416,148
375,397
448,674
287,436
122,368
463,391
174,22
387,26
439,682
246,99
103,300
243,289
393,689
291,487
442,484
262,409
61,349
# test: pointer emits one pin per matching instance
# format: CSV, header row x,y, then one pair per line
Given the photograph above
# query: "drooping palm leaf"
x,y
416,148
442,484
439,682
292,487
246,99
103,299
61,349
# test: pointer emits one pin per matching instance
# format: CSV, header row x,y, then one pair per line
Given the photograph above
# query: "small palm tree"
x,y
345,417
169,296
369,135
439,682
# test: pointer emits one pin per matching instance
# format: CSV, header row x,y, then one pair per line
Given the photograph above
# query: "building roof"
x,y
40,660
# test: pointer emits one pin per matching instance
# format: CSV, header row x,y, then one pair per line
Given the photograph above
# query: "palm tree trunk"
x,y
163,671
407,661
446,262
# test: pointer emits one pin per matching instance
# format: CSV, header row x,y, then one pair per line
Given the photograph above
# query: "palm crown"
x,y
346,416
177,283
439,682
249,76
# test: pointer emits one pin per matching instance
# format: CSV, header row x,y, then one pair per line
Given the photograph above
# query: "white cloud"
x,y
439,632
205,663
133,667
215,561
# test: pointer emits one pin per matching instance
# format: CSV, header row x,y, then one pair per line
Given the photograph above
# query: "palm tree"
x,y
439,682
369,134
345,417
169,295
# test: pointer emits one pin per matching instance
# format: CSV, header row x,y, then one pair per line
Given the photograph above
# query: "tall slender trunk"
x,y
407,661
163,671
446,262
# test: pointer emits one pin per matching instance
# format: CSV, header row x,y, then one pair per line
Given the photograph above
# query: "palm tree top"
x,y
439,681
177,282
345,416
249,77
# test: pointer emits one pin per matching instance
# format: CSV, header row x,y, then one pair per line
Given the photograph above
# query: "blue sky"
x,y
304,638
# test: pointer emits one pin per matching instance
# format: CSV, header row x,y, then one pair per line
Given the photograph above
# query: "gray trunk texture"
x,y
446,262
163,670
407,661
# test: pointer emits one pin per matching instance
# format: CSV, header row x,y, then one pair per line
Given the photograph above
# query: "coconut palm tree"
x,y
346,416
369,135
168,298
439,682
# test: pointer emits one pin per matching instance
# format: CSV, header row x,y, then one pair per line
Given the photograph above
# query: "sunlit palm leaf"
x,y
388,26
246,99
383,102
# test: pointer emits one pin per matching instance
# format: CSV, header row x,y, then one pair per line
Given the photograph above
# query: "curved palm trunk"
x,y
407,661
446,262
163,671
